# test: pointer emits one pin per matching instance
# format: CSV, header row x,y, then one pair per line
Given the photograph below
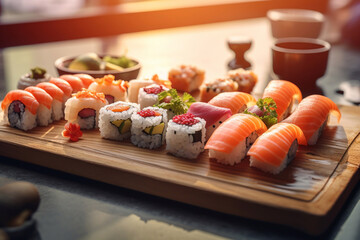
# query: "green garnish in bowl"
x,y
37,73
121,61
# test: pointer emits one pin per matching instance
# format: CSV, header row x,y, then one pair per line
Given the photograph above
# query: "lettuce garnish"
x,y
268,109
178,105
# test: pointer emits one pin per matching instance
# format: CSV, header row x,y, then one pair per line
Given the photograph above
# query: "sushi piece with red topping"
x,y
148,96
185,136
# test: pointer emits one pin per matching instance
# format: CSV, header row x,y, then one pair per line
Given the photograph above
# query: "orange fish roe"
x,y
121,108
165,83
86,93
110,80
72,131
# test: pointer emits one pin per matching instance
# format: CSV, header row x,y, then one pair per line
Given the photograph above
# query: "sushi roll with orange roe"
x,y
276,148
20,108
84,107
114,90
58,98
43,116
232,140
85,78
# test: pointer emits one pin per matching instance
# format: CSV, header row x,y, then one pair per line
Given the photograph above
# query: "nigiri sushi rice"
x,y
83,108
148,96
148,127
43,116
185,136
58,97
20,108
115,120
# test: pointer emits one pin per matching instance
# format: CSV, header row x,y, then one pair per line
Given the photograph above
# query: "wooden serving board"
x,y
307,195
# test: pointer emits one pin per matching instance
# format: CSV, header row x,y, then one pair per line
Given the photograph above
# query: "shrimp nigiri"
x,y
43,117
283,93
20,108
311,116
236,101
233,138
274,150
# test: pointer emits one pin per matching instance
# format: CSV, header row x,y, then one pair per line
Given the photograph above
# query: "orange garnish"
x,y
110,80
165,83
72,131
86,93
120,108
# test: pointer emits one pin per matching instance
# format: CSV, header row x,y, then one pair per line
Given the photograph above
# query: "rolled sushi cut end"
x,y
115,120
186,140
57,110
238,153
19,117
274,169
148,96
149,127
43,117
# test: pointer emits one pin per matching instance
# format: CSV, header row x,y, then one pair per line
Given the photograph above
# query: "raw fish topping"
x,y
86,93
154,90
72,131
120,108
185,119
148,113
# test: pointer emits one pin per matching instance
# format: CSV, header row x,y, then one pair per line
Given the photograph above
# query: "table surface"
x,y
77,208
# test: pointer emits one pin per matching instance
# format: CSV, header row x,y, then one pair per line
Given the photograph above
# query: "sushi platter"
x,y
307,195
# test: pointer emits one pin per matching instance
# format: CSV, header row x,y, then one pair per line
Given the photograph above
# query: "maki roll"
x,y
245,79
232,140
148,127
115,120
212,88
186,78
214,116
20,108
83,108
185,136
148,96
43,117
58,98
114,90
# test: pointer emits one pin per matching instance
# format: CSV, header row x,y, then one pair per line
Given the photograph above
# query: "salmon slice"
x,y
63,85
41,96
235,101
85,78
74,81
55,92
312,113
25,97
234,130
283,93
273,146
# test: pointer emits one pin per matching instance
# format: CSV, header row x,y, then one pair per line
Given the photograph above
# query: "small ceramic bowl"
x,y
300,60
295,23
127,74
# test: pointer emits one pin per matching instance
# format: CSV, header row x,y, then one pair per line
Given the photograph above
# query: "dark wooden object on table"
x,y
239,45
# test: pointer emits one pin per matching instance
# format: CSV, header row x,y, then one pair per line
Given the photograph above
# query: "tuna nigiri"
x,y
58,97
283,93
74,81
311,116
85,78
235,101
276,148
43,117
20,108
114,90
84,107
214,116
233,138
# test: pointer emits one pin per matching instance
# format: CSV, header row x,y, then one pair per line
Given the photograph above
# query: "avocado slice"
x,y
158,129
122,125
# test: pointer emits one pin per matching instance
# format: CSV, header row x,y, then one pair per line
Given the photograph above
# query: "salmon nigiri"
x,y
233,138
276,148
283,93
85,78
311,116
64,86
74,81
43,117
235,101
58,97
20,108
